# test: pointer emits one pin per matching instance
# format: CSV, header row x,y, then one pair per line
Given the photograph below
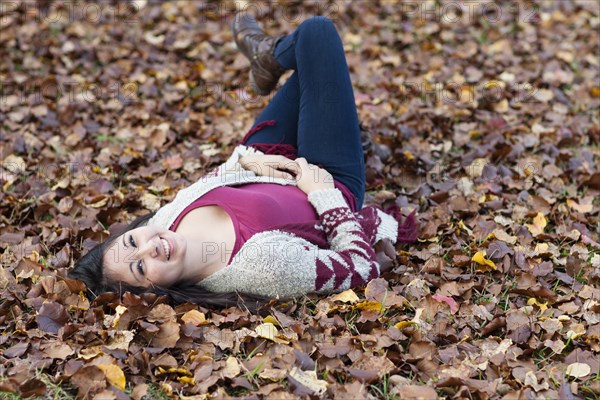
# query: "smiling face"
x,y
146,256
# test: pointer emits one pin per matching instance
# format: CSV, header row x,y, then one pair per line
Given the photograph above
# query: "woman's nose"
x,y
150,249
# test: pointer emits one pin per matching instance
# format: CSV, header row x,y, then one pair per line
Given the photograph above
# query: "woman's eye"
x,y
139,267
131,241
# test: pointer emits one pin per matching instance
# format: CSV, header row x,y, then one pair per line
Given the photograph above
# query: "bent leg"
x,y
315,110
328,129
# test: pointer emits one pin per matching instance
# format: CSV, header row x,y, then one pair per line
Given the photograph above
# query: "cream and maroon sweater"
x,y
333,254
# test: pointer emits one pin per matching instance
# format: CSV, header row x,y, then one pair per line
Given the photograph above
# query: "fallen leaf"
x,y
578,370
448,300
539,223
479,258
114,375
232,368
347,296
194,317
51,317
309,380
270,332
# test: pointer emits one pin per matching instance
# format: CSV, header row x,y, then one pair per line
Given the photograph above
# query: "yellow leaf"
x,y
576,331
272,320
464,227
34,256
113,375
501,106
347,296
87,353
186,380
404,324
480,259
120,310
370,305
539,223
269,331
533,301
179,371
194,317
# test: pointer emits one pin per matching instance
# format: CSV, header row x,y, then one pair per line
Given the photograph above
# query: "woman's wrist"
x,y
326,199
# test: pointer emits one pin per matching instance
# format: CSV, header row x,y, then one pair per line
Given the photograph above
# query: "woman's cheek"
x,y
160,277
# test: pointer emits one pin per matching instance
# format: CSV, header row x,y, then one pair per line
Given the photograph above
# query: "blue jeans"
x,y
315,109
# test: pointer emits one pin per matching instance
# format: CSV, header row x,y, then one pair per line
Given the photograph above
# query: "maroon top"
x,y
258,207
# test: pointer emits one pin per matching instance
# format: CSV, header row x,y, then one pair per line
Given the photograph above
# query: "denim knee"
x,y
317,23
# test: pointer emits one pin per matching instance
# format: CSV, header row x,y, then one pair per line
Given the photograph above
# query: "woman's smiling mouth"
x,y
168,247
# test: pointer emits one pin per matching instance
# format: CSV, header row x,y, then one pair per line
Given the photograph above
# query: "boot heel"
x,y
255,87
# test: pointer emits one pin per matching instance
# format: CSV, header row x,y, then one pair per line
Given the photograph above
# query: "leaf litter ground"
x,y
485,120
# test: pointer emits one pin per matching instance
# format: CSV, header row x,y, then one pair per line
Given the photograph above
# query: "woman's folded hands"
x,y
308,177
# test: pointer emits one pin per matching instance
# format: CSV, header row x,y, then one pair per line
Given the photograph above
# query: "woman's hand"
x,y
311,178
270,165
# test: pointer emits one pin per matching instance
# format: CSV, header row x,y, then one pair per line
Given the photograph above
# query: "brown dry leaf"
x,y
51,317
88,380
347,296
167,336
416,392
33,387
505,237
58,350
194,317
121,340
583,205
481,146
162,313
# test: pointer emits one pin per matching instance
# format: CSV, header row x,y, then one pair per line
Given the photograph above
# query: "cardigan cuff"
x,y
327,199
388,228
238,152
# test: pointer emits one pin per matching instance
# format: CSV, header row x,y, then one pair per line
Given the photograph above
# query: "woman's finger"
x,y
302,163
279,174
279,162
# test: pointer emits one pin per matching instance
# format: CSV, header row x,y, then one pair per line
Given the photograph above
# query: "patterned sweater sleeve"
x,y
280,264
351,260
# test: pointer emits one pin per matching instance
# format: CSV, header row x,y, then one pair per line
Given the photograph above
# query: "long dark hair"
x,y
89,269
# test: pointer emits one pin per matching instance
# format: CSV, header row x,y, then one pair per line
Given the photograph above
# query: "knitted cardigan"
x,y
331,254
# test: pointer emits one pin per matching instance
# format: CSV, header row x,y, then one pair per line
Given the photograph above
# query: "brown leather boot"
x,y
259,48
